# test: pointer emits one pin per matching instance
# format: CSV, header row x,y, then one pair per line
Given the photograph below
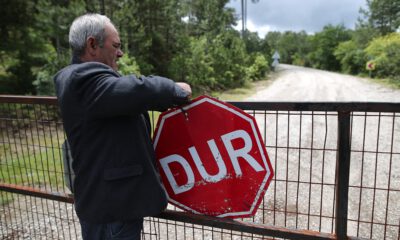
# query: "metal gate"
x,y
337,174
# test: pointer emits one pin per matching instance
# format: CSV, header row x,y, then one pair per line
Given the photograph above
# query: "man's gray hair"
x,y
85,26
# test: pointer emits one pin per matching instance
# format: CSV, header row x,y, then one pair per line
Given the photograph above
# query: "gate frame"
x,y
344,110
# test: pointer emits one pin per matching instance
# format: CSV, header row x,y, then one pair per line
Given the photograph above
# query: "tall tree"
x,y
150,30
18,42
209,17
173,38
324,44
292,46
383,15
52,21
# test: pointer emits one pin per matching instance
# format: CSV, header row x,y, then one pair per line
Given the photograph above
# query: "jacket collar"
x,y
75,60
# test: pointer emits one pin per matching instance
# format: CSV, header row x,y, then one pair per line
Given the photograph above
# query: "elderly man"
x,y
108,129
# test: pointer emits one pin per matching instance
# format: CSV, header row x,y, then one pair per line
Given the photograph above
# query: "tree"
x,y
293,47
197,67
383,15
324,44
259,67
19,44
52,21
351,57
252,41
273,38
228,54
150,29
209,18
187,40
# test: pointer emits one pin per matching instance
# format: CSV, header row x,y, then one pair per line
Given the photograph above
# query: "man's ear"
x,y
91,46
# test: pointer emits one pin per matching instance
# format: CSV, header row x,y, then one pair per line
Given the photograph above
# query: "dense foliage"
x,y
189,40
335,48
385,52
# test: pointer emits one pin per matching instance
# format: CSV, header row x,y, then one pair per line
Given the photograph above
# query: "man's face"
x,y
111,50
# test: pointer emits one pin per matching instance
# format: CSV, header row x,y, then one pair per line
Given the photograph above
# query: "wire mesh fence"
x,y
302,140
374,179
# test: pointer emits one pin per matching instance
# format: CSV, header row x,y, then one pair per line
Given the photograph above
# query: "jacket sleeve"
x,y
104,93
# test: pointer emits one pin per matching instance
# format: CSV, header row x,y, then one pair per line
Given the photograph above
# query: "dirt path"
x,y
305,84
375,157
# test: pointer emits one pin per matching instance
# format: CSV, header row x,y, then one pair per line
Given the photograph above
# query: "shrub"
x,y
384,51
351,57
259,68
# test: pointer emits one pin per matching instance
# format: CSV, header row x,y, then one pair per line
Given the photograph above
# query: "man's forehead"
x,y
111,31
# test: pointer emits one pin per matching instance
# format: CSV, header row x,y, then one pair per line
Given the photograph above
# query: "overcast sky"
x,y
297,15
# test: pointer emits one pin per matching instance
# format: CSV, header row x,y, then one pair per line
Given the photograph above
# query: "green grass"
x,y
39,169
239,94
235,94
36,167
388,82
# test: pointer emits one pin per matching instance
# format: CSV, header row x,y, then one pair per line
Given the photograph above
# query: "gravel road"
x,y
295,83
375,157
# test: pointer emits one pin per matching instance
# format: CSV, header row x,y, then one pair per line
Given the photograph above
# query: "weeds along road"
x,y
302,150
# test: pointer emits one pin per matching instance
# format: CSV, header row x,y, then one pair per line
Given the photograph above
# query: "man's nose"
x,y
120,53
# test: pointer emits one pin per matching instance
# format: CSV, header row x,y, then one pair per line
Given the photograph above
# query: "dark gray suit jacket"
x,y
108,129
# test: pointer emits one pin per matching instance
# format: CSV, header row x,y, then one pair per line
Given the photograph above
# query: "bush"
x,y
351,57
200,73
228,54
210,64
384,51
43,83
127,65
259,68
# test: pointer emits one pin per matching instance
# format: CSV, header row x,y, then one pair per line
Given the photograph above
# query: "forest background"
x,y
192,41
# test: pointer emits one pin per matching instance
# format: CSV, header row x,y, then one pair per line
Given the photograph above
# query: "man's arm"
x,y
104,93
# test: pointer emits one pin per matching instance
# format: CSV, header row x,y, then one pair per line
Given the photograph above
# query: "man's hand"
x,y
185,87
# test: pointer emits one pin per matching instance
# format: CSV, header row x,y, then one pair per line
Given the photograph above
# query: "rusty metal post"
x,y
342,174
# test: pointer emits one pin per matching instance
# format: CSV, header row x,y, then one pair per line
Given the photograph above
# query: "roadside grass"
x,y
388,82
235,94
393,83
38,167
239,94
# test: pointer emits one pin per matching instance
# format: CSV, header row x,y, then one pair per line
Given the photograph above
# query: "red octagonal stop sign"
x,y
212,159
